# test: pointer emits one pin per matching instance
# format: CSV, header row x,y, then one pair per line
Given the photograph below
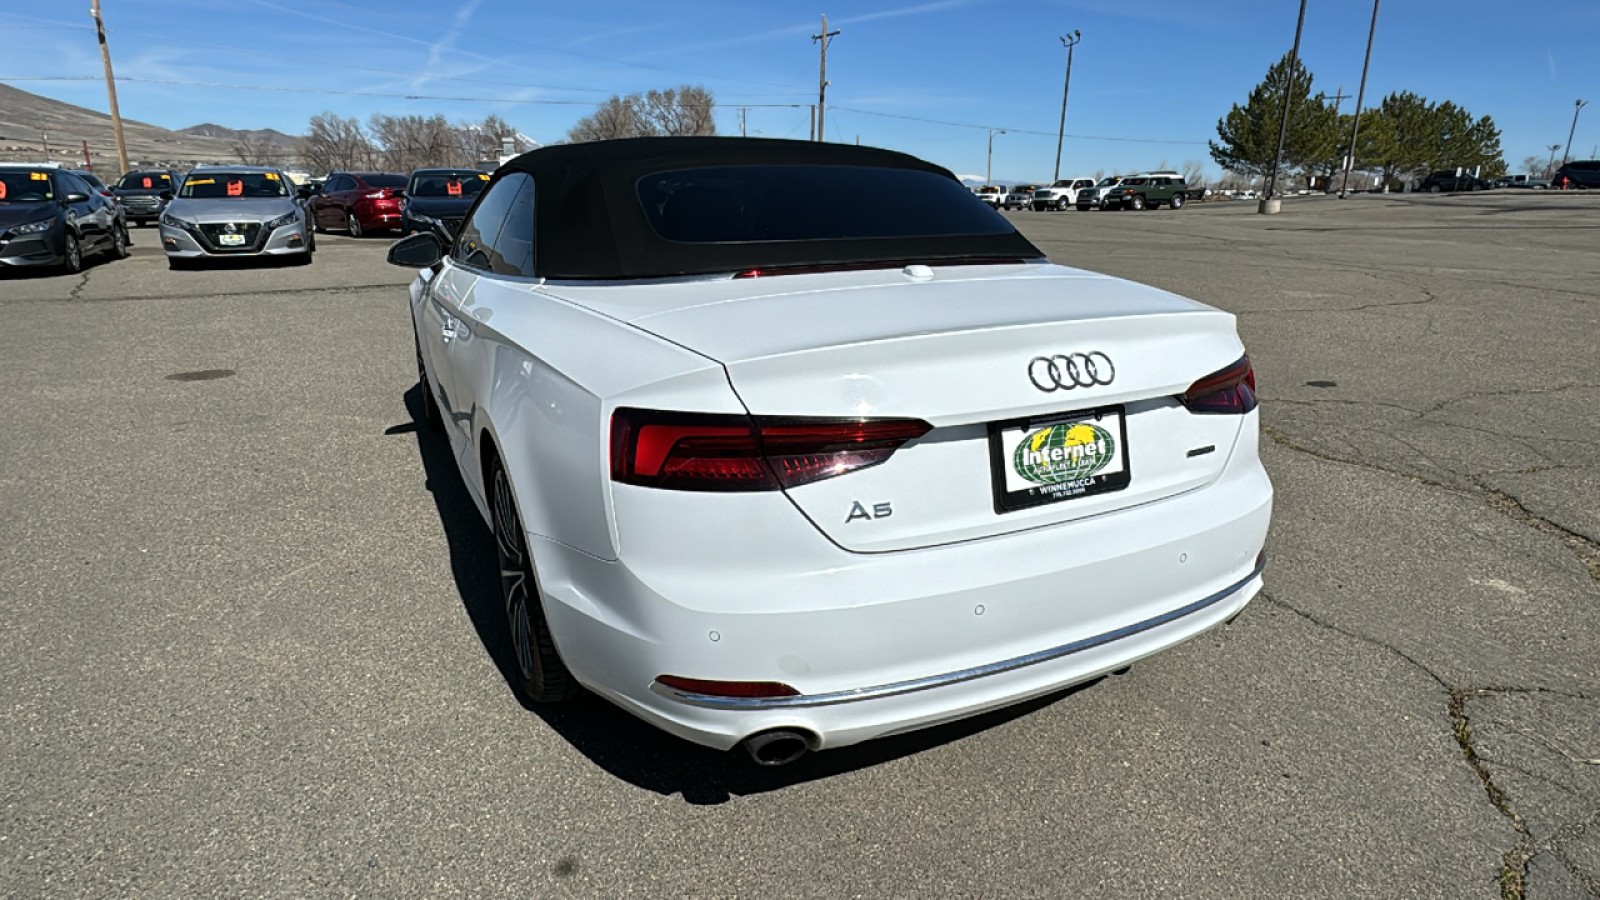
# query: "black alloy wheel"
x,y
71,255
541,675
119,241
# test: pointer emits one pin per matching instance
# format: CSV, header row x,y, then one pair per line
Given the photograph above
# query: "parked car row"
x,y
54,218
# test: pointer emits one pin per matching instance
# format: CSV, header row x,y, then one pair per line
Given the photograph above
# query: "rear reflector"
x,y
710,452
1227,391
727,688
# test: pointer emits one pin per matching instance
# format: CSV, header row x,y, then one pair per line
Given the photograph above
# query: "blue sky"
x,y
1149,80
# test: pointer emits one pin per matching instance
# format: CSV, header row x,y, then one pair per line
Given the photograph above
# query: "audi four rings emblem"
x,y
1066,371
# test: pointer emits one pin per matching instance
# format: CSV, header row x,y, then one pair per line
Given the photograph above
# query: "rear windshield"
x,y
463,183
142,180
754,204
222,185
385,181
25,187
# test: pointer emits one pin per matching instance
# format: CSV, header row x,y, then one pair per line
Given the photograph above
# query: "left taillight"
x,y
713,452
1230,390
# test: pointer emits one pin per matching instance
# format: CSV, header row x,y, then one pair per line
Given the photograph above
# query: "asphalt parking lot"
x,y
251,640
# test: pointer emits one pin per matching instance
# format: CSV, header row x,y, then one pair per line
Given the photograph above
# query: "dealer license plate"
x,y
231,240
1048,459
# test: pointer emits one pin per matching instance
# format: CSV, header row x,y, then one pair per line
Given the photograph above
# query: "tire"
x,y
303,259
119,242
1062,205
316,223
71,255
179,264
352,224
431,417
541,676
1177,201
1136,202
1434,189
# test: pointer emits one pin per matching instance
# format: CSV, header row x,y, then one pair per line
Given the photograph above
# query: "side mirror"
x,y
304,191
166,194
419,251
75,197
400,193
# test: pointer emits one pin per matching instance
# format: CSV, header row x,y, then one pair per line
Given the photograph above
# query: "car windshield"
x,y
445,183
1106,182
135,181
988,189
25,187
381,180
222,185
770,203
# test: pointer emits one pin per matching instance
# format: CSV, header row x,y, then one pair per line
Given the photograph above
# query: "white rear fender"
x,y
547,409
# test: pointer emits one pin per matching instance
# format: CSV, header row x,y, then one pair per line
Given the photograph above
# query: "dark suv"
x,y
144,193
1579,174
1437,182
1148,192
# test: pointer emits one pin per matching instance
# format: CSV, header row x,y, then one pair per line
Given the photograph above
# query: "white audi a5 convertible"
x,y
770,462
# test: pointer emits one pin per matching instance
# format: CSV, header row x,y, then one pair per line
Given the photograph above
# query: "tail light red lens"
x,y
707,452
727,688
1227,391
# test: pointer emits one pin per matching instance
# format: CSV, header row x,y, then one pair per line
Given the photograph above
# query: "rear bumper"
x,y
883,643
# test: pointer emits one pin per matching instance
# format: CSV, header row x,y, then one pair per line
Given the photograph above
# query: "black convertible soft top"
x,y
656,207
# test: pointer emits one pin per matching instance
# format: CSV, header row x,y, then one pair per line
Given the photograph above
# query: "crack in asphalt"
x,y
1514,862
83,282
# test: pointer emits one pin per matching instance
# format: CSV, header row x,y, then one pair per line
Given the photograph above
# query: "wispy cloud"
x,y
1550,55
444,44
902,12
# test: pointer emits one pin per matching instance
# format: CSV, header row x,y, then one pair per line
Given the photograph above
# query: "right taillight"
x,y
706,452
1228,391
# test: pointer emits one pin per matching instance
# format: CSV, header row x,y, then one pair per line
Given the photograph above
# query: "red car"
x,y
358,202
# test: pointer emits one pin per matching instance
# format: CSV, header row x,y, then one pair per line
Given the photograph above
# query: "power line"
x,y
339,93
1081,137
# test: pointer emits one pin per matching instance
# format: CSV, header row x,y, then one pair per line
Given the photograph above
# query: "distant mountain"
x,y
39,129
256,136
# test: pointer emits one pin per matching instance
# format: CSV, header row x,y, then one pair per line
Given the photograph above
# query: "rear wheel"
x,y
119,242
353,224
541,676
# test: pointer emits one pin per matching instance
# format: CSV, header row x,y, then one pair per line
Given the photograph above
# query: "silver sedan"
x,y
226,211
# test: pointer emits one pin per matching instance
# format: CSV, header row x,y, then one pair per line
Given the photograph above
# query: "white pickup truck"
x,y
1060,195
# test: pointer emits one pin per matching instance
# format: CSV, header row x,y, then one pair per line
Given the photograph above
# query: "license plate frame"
x,y
230,240
1014,494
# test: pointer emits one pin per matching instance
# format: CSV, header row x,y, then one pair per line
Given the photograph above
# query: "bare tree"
x,y
1194,171
484,140
685,110
332,142
413,142
254,151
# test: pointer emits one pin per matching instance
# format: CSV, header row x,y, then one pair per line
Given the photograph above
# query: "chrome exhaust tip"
x,y
777,748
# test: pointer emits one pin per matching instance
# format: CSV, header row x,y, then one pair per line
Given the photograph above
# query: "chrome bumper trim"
x,y
930,682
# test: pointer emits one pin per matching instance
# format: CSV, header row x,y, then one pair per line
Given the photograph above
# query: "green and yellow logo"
x,y
1064,453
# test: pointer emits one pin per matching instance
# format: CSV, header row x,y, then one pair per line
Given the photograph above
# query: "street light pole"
x,y
1550,164
1577,108
988,167
1361,92
1288,97
1066,85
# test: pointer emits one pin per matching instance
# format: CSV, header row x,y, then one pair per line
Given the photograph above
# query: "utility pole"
x,y
1361,93
1577,108
742,111
1066,85
1339,99
988,167
111,83
822,78
1288,97
813,121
